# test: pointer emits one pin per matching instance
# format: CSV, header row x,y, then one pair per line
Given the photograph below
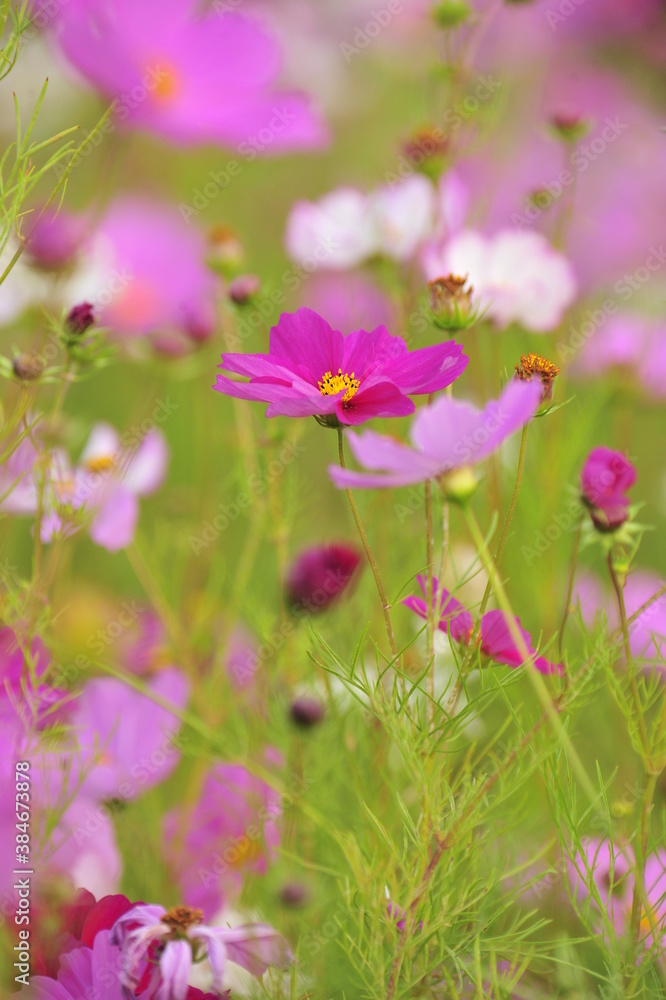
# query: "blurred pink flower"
x,y
319,575
628,343
496,641
446,435
518,277
605,479
179,935
232,830
337,231
53,237
107,483
148,276
312,370
349,300
648,632
189,76
609,868
346,227
589,594
23,693
84,972
18,489
126,743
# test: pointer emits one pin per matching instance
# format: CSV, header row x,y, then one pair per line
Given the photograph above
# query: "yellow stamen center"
x,y
331,385
102,463
180,918
167,83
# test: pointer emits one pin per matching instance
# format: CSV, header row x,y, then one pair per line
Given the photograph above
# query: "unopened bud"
x,y
226,249
424,144
28,367
570,128
244,288
306,711
459,486
294,895
79,319
451,13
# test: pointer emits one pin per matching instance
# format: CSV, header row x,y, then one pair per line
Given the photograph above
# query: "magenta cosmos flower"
x,y
446,436
146,275
187,75
167,943
53,237
231,831
312,370
605,479
496,641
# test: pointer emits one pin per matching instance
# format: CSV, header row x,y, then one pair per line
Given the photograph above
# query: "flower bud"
x,y
225,248
28,367
294,895
306,711
450,13
570,128
451,302
243,288
319,575
459,486
425,144
79,319
605,478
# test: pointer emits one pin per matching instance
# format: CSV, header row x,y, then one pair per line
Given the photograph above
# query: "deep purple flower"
x,y
446,436
605,479
496,641
319,575
313,370
181,938
80,318
189,76
306,711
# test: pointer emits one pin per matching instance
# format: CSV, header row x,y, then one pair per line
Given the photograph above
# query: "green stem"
x,y
640,720
386,607
507,520
570,588
535,677
430,601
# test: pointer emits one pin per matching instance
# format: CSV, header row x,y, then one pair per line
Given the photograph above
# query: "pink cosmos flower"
x,y
517,276
631,345
496,641
605,479
147,275
313,370
23,693
18,490
609,867
319,576
187,75
182,938
108,482
447,435
127,743
404,215
231,830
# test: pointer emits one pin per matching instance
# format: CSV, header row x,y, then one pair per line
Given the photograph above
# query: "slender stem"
x,y
535,677
430,601
570,587
640,720
171,623
511,510
386,607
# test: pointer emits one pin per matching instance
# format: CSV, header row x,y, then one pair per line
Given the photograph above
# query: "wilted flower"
x,y
164,944
313,370
496,640
518,276
605,479
204,78
448,436
320,575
